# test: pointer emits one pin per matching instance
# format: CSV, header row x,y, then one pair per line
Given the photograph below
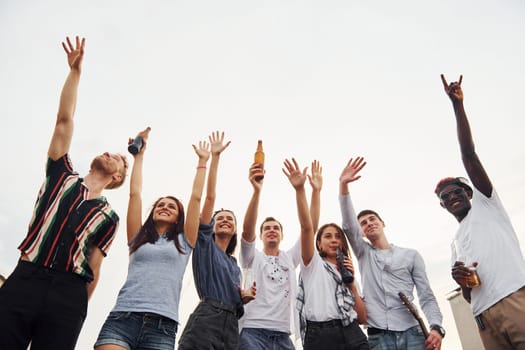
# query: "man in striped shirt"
x,y
44,300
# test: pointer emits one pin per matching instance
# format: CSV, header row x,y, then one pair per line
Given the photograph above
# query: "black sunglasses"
x,y
446,195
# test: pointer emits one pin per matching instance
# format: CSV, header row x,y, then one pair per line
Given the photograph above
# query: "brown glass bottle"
x,y
259,158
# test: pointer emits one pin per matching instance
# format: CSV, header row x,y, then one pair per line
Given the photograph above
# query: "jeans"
x,y
332,335
411,339
42,306
138,331
264,339
212,325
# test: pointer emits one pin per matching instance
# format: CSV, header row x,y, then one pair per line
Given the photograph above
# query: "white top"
x,y
486,235
320,303
273,307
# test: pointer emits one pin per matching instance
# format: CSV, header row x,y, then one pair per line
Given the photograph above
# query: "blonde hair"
x,y
123,171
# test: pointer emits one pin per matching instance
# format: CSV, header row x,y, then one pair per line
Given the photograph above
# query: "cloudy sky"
x,y
325,80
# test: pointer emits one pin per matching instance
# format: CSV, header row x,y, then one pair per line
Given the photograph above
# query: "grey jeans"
x,y
211,326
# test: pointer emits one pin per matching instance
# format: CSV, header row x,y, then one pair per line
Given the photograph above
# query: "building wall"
x,y
465,323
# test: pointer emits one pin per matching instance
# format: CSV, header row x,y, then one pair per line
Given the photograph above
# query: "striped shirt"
x,y
66,226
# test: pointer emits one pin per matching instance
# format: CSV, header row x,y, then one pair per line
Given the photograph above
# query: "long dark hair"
x,y
148,234
233,240
345,248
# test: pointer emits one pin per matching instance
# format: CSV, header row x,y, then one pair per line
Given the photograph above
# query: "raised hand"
x,y
144,134
294,174
203,151
453,90
256,170
316,177
217,142
74,54
352,168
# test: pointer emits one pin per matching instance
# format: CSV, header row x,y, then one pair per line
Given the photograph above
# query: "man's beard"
x,y
101,166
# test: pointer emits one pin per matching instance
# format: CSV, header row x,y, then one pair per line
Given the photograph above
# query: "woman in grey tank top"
x,y
146,311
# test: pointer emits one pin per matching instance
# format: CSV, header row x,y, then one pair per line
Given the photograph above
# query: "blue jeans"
x,y
138,331
264,339
411,339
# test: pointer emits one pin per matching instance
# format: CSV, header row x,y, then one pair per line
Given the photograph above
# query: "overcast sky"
x,y
325,80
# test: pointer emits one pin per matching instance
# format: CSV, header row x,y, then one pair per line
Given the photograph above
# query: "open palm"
x,y
74,54
351,170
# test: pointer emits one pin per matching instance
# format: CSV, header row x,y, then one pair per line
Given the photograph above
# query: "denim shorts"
x,y
138,330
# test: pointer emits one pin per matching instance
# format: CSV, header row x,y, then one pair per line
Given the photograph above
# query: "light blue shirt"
x,y
154,281
384,274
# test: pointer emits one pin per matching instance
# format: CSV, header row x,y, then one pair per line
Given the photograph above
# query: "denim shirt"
x,y
216,274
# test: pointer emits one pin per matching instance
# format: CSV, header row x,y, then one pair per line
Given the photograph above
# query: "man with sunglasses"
x,y
486,235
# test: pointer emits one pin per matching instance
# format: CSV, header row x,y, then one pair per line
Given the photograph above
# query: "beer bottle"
x,y
346,275
259,158
135,146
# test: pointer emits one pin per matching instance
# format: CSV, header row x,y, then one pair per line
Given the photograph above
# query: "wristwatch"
x,y
439,329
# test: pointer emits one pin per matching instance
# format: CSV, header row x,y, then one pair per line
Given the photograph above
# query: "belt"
x,y
372,331
325,324
237,310
154,316
41,270
479,318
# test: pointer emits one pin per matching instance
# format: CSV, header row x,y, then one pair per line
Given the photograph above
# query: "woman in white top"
x,y
329,310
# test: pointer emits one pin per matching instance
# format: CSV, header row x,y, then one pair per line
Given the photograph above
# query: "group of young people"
x,y
43,303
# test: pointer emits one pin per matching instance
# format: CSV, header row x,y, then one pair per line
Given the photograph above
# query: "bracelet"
x,y
201,167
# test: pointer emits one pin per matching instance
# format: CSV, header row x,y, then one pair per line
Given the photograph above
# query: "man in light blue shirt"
x,y
386,270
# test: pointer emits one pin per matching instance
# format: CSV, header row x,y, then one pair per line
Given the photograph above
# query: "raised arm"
x,y
134,214
217,146
191,224
316,181
297,178
250,217
61,139
350,224
471,161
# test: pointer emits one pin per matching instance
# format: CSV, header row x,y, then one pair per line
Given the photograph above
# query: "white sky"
x,y
324,80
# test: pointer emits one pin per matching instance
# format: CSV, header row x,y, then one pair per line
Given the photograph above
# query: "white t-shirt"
x,y
320,303
486,235
273,307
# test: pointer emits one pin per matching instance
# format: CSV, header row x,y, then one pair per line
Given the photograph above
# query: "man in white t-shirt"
x,y
486,240
268,321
